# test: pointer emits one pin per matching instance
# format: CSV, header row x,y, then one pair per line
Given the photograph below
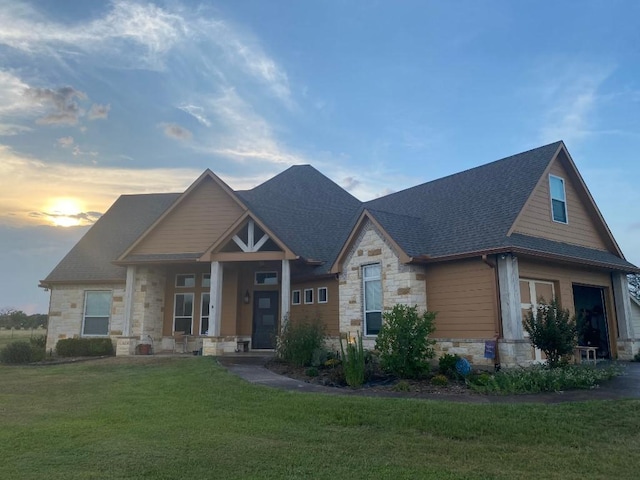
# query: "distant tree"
x,y
12,318
634,285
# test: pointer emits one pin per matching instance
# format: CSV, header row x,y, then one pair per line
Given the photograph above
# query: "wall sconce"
x,y
247,297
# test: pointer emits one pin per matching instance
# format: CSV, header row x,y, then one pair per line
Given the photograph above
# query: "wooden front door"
x,y
265,319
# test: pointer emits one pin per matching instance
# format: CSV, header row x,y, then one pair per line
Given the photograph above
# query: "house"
x,y
221,270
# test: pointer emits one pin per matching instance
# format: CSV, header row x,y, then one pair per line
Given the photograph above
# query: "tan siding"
x,y
564,277
196,223
536,220
325,312
464,295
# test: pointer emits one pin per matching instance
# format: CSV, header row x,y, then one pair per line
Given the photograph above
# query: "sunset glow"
x,y
64,211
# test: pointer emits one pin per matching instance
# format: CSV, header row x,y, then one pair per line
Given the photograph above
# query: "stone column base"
x,y
216,346
515,353
628,348
126,346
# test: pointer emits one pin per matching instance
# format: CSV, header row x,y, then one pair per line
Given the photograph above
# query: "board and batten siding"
x,y
535,219
195,224
327,313
464,295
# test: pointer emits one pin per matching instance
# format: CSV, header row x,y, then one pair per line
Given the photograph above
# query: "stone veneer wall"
x,y
401,283
66,310
148,303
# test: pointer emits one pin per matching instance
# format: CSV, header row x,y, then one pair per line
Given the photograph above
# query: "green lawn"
x,y
184,418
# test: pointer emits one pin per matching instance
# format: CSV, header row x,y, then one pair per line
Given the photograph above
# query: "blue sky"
x,y
99,99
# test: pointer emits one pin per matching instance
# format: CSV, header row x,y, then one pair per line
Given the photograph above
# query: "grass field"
x,y
8,336
184,418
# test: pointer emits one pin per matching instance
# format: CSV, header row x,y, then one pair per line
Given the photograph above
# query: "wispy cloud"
x,y
98,111
9,129
570,93
65,142
196,112
175,131
61,104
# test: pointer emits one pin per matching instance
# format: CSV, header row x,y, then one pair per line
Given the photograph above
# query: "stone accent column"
x,y
285,292
627,342
509,283
128,300
215,296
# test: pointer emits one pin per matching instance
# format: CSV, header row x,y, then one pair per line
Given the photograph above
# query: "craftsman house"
x,y
217,270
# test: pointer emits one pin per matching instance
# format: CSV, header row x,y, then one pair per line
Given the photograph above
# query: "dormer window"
x,y
558,199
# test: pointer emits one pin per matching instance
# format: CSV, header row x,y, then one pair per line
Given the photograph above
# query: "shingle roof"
x,y
311,214
90,260
468,211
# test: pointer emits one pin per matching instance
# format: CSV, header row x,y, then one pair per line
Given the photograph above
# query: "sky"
x,y
99,99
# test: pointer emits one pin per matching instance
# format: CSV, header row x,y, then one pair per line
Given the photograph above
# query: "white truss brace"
x,y
250,246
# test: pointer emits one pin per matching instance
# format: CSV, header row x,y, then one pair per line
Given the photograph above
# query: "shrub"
x,y
447,365
636,357
298,342
552,331
353,362
16,353
537,379
402,386
312,372
84,347
440,380
403,341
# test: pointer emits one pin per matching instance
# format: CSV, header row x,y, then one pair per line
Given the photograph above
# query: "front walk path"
x,y
252,369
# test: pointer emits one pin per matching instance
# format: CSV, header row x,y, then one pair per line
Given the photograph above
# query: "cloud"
x,y
8,129
12,98
61,104
349,183
65,142
83,218
77,151
176,132
98,111
570,95
197,113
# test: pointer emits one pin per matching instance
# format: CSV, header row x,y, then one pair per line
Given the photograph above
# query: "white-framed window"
x,y
183,313
97,313
206,279
185,280
323,295
308,295
372,298
204,314
295,297
558,199
266,278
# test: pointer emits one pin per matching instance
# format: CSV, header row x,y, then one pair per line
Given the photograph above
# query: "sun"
x,y
64,212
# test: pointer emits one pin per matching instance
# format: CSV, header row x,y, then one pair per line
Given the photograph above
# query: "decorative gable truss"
x,y
249,244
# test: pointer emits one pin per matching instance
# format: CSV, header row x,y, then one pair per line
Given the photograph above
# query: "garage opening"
x,y
593,329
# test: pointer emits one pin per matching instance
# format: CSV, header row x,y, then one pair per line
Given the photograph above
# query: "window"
x,y
266,278
183,313
204,314
206,279
558,199
295,297
322,295
372,293
308,295
185,281
97,311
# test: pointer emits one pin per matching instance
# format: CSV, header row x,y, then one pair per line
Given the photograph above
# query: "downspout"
x,y
492,264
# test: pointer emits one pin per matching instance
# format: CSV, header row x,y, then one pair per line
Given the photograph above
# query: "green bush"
x,y
440,380
353,362
447,365
403,341
298,343
16,353
552,331
538,378
636,357
312,372
84,347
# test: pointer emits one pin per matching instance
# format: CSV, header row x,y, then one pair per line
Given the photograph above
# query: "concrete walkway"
x,y
252,369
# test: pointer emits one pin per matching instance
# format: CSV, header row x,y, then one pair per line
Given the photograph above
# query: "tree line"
x,y
10,318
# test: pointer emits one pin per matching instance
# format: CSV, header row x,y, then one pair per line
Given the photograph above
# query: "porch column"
x,y
623,306
128,300
215,299
509,282
285,291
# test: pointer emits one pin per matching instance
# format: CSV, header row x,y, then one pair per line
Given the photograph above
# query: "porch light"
x,y
247,297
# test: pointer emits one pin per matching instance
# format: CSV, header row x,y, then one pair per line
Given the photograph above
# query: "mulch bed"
x,y
330,377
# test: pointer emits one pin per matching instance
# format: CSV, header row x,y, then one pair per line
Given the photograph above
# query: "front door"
x,y
593,329
265,319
